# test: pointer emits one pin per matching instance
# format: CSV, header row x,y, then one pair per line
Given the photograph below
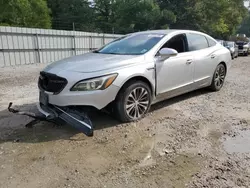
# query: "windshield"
x,y
131,44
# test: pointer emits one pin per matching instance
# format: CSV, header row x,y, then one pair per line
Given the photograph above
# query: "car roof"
x,y
168,31
165,31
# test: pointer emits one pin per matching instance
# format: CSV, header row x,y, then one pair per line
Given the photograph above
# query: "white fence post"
x,y
38,48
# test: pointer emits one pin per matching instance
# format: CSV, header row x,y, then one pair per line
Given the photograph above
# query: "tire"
x,y
128,96
218,78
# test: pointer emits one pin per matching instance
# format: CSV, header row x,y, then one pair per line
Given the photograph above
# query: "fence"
x,y
20,46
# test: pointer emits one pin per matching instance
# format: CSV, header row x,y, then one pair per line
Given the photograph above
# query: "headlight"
x,y
99,83
245,46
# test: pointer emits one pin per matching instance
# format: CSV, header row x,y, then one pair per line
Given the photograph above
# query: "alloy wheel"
x,y
220,75
137,103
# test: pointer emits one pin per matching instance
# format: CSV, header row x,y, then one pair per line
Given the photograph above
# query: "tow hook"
x,y
74,118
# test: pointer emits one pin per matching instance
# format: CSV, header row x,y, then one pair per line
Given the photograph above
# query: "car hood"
x,y
92,62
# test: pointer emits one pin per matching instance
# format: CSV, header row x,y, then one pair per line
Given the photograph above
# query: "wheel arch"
x,y
223,63
139,78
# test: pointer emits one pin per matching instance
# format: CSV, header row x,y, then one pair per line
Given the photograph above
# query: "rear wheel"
x,y
218,78
133,101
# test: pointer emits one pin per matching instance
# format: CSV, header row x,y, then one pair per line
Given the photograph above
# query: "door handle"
x,y
189,61
212,56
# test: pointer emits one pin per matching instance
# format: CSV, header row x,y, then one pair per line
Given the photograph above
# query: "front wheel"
x,y
218,78
133,101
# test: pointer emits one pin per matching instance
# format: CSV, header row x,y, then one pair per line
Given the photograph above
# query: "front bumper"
x,y
243,51
98,99
72,117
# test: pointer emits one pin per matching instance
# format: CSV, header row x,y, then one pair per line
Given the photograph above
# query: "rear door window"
x,y
196,42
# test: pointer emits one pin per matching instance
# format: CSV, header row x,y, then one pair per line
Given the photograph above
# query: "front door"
x,y
175,74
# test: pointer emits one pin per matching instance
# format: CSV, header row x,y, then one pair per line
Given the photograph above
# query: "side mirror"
x,y
165,53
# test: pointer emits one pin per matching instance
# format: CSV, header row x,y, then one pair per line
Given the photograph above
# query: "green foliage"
x,y
67,12
125,16
219,18
27,13
224,22
245,26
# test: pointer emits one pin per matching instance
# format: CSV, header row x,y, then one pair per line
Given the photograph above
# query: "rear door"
x,y
204,53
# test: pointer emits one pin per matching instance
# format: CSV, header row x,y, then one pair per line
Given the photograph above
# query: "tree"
x,y
217,18
186,12
221,18
126,16
66,12
245,26
25,13
134,15
105,14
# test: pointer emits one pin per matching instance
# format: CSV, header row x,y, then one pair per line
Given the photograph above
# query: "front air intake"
x,y
51,82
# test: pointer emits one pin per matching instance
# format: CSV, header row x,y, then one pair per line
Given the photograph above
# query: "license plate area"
x,y
43,98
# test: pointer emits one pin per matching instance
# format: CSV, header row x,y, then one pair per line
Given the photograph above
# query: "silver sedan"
x,y
135,71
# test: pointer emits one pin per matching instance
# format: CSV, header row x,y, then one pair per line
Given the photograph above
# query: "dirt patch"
x,y
181,142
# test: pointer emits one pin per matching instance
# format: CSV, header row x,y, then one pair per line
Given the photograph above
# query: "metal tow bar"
x,y
74,118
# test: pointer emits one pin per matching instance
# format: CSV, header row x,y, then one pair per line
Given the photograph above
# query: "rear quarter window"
x,y
210,42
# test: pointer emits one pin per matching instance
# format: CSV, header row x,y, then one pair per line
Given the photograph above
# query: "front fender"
x,y
146,71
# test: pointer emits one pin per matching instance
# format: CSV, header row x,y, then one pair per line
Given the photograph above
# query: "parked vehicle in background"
x,y
233,47
243,47
243,43
249,46
135,71
222,42
241,35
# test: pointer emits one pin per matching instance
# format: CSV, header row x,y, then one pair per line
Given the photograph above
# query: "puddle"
x,y
238,144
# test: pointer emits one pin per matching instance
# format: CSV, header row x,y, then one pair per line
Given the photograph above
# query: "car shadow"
x,y
12,126
179,98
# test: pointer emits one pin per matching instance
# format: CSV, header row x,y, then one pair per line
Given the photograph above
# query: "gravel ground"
x,y
200,139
